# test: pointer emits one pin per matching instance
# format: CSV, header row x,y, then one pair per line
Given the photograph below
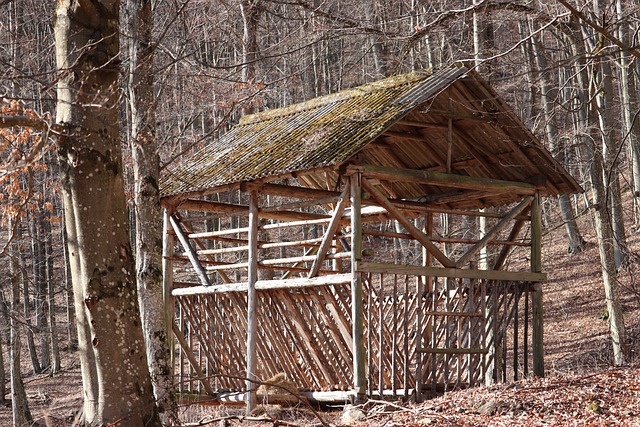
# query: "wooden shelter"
x,y
383,240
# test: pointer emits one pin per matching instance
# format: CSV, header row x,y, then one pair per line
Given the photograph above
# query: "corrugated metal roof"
x,y
409,117
321,132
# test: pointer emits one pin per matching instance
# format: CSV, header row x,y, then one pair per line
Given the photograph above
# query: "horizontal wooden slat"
x,y
447,180
453,350
334,279
416,270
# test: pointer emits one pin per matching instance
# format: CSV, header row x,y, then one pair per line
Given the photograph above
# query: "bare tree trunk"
x,y
38,259
627,84
548,94
148,239
102,268
31,345
68,291
51,305
595,165
20,408
611,146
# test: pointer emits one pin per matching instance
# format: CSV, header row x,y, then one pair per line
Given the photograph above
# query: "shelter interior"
x,y
382,241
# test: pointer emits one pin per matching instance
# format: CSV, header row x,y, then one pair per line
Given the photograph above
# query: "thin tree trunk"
x,y
51,305
102,268
147,211
592,158
548,94
629,105
20,408
31,345
68,292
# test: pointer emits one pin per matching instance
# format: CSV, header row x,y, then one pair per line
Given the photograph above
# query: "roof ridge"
x,y
389,82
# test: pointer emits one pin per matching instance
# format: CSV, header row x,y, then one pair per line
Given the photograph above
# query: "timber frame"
x,y
401,258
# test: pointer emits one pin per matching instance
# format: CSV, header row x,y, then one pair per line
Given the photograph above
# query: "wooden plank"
x,y
453,351
536,265
263,285
453,313
310,343
252,321
407,224
392,234
357,306
501,225
192,359
216,266
200,271
447,180
329,234
299,192
242,210
417,270
201,245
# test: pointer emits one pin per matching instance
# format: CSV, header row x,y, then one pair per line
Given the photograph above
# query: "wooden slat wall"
x,y
306,334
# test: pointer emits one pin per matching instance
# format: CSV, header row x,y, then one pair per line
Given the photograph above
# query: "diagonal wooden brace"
x,y
184,240
407,224
501,225
330,233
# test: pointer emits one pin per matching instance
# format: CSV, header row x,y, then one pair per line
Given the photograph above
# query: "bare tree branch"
x,y
600,29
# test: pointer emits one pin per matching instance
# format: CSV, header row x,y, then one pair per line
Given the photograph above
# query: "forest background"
x,y
567,68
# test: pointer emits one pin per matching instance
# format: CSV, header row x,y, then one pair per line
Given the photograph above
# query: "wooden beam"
x,y
298,192
447,180
460,273
453,350
192,359
501,225
200,271
329,234
393,234
266,285
536,266
405,135
357,303
242,210
407,224
252,301
420,124
201,245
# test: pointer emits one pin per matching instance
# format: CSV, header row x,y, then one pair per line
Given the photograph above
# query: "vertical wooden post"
x,y
252,321
536,267
167,283
357,306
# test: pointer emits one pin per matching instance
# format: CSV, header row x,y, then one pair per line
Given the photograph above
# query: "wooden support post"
x,y
167,282
330,233
193,257
252,321
357,305
536,266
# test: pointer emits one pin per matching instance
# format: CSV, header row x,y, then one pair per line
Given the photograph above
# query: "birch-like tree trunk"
x,y
117,383
148,238
627,84
19,406
592,158
548,93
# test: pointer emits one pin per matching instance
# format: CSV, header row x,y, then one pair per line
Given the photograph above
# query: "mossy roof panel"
x,y
324,131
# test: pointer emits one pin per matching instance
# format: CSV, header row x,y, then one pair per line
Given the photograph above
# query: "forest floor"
x,y
581,386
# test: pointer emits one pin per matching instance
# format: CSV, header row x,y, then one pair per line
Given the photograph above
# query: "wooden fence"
x,y
451,333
